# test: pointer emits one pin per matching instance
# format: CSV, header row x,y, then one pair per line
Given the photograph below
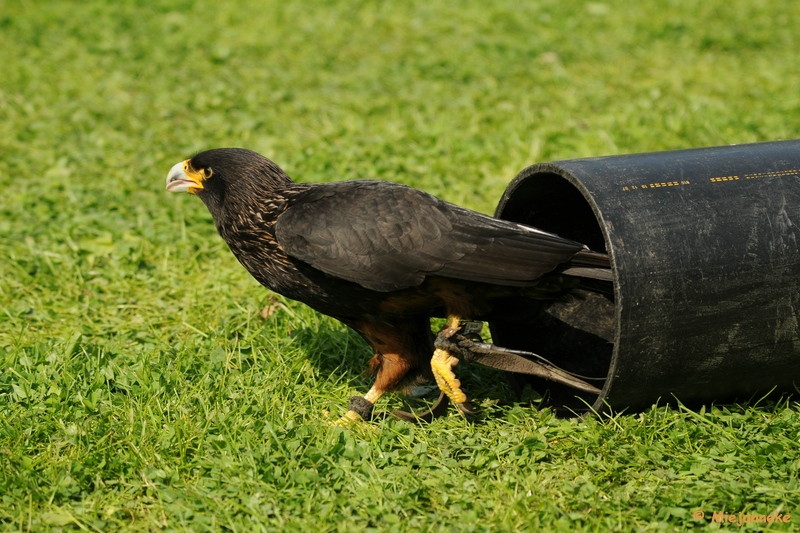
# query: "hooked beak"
x,y
183,178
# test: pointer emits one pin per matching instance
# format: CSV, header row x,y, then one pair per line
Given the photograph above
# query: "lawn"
x,y
142,388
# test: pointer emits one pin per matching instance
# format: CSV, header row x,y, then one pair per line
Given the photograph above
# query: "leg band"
x,y
361,406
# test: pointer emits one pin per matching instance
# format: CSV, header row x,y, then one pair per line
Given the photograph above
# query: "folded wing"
x,y
386,237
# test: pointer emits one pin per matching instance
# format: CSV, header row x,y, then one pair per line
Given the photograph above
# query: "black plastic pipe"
x,y
705,245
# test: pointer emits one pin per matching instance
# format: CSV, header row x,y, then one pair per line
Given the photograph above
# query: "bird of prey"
x,y
384,259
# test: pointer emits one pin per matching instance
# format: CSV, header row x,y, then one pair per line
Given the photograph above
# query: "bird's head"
x,y
214,175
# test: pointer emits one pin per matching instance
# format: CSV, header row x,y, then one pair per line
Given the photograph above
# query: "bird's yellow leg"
x,y
442,364
452,326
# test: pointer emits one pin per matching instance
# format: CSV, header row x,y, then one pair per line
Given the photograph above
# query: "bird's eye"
x,y
207,172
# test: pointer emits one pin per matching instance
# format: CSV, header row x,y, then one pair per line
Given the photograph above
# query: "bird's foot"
x,y
348,419
442,364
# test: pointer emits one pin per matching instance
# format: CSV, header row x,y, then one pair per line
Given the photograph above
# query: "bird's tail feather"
x,y
591,265
597,286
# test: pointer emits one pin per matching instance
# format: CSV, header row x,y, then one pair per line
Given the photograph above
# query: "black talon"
x,y
437,409
466,410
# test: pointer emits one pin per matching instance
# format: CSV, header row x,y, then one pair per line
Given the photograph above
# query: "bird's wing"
x,y
386,236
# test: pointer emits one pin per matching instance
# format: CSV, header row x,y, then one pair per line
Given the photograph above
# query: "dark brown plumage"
x,y
383,258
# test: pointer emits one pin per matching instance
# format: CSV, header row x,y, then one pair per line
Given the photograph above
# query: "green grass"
x,y
140,389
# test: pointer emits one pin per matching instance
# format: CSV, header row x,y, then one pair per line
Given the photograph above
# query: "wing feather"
x,y
386,236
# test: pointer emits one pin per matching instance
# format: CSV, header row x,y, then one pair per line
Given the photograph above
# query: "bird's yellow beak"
x,y
183,178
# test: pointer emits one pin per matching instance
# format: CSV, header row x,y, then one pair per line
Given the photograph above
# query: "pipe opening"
x,y
576,335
